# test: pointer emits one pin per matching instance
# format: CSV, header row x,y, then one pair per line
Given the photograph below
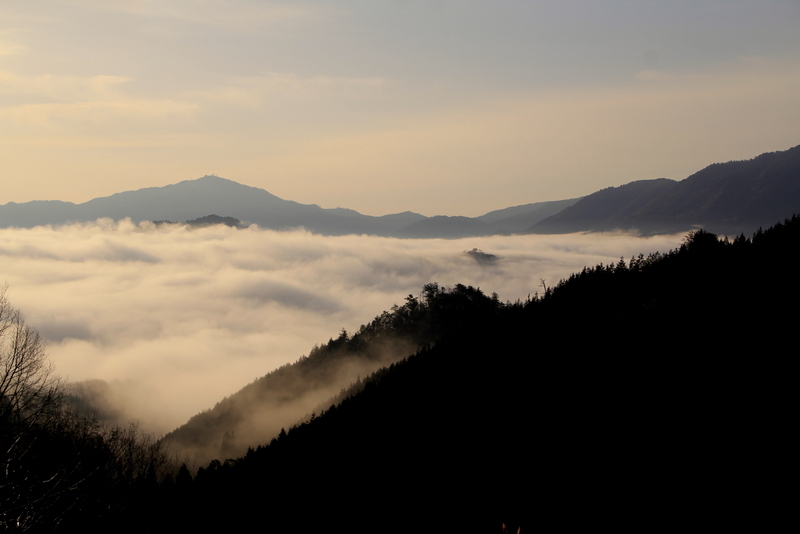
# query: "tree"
x,y
30,399
29,392
58,470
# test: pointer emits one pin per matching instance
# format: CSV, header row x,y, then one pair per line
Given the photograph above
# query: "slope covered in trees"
x,y
653,391
256,413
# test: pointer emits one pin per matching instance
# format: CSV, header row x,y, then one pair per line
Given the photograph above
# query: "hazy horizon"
x,y
442,107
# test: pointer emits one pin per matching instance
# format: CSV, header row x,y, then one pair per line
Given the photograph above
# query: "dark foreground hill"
x,y
257,412
653,391
650,393
725,198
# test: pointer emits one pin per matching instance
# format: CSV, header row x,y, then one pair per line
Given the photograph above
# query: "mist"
x,y
174,319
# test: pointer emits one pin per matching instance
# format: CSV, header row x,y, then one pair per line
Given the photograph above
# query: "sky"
x,y
443,107
175,319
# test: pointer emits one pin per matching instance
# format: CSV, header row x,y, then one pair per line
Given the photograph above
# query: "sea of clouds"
x,y
176,318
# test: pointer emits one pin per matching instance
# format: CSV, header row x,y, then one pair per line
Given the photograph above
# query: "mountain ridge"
x,y
622,430
728,198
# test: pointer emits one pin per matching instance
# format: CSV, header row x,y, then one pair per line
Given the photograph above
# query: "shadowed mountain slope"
x,y
442,226
646,389
517,219
193,199
256,413
607,209
727,198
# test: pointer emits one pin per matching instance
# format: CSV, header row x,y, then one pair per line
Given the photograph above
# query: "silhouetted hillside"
x,y
208,220
256,413
650,390
726,198
607,209
657,390
518,219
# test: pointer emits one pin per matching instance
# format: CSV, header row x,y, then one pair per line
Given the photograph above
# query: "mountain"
x,y
640,391
515,219
442,226
209,220
607,209
727,198
518,219
193,199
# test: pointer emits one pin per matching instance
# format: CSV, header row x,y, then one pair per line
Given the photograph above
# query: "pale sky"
x,y
453,107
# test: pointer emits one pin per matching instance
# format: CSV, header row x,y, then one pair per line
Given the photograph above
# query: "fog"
x,y
174,319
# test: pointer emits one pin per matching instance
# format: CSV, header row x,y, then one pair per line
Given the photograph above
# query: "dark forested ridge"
x,y
726,198
657,390
257,412
643,392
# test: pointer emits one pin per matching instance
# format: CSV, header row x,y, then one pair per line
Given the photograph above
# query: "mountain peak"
x,y
212,179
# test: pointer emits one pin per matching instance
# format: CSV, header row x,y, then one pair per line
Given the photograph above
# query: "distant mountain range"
x,y
727,198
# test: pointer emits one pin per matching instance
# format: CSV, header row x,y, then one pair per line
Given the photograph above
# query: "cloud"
x,y
60,88
184,317
10,49
233,15
84,118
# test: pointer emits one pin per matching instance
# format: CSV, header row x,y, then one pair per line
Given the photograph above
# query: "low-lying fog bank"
x,y
174,319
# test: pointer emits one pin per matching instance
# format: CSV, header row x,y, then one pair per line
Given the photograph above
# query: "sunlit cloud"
x,y
176,319
72,118
60,88
73,103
